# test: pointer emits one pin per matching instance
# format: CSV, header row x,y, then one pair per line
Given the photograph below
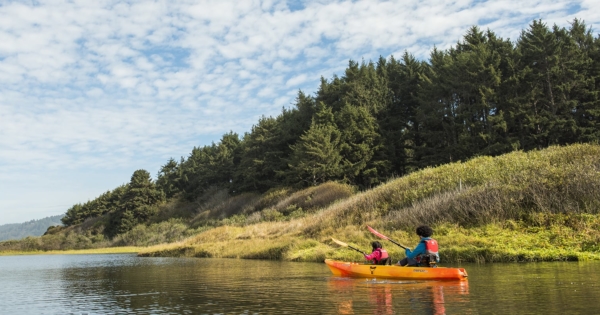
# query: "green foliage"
x,y
359,142
108,202
207,167
400,129
138,203
260,157
169,178
316,156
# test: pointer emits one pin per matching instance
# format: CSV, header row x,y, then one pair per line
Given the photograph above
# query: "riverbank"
x,y
523,206
557,238
109,250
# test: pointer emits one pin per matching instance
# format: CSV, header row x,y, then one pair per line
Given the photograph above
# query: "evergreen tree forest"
x,y
386,118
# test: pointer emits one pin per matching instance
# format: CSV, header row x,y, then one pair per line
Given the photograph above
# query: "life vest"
x,y
431,252
383,257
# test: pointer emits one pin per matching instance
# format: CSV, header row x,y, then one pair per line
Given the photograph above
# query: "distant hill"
x,y
31,228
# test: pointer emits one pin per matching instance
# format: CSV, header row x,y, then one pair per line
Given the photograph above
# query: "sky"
x,y
91,91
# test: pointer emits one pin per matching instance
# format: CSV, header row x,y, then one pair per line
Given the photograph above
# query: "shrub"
x,y
272,215
145,235
273,196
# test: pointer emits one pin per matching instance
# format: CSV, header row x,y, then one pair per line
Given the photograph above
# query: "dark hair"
x,y
376,245
424,231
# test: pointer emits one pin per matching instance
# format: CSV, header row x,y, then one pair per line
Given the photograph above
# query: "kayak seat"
x,y
385,261
428,261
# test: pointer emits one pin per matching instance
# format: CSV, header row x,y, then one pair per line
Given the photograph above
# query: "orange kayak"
x,y
349,269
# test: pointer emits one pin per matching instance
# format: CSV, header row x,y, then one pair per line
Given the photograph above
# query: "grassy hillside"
x,y
540,205
533,206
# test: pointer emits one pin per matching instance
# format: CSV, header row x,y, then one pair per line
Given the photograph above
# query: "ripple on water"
x,y
126,284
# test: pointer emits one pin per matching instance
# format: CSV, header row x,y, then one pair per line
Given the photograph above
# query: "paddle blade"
x,y
377,233
339,242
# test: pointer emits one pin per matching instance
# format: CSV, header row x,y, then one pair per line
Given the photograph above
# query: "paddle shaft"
x,y
372,230
356,249
346,245
397,243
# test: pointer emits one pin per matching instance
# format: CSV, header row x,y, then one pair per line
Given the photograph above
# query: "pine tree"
x,y
168,178
137,204
545,109
316,156
585,59
260,151
437,113
359,141
477,78
400,127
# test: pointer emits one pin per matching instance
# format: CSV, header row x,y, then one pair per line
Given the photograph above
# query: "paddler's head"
x,y
375,245
424,231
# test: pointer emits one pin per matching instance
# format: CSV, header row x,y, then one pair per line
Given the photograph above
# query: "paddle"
x,y
346,245
385,237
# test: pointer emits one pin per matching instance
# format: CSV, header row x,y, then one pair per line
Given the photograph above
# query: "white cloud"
x,y
113,86
296,80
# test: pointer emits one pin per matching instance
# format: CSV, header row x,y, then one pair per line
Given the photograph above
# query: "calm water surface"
x,y
126,284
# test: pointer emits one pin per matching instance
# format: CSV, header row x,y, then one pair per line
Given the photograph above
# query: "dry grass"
x,y
317,197
480,191
273,197
556,237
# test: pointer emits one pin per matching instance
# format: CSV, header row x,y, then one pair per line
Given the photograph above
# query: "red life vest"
x,y
383,255
431,248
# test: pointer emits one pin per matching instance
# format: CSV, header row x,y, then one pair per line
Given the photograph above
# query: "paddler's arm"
x,y
418,250
373,255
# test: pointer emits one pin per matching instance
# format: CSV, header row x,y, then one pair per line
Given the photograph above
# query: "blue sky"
x,y
90,91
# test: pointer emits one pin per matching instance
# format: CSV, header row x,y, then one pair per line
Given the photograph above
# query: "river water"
x,y
126,284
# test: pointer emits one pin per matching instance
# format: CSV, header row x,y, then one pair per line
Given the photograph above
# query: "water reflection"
x,y
385,297
380,297
125,284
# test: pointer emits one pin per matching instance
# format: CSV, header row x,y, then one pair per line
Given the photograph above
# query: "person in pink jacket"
x,y
379,256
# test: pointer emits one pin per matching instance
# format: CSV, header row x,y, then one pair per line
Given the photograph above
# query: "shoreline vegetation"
x,y
519,207
105,250
492,142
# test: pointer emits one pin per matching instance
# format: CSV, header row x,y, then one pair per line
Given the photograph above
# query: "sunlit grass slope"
x,y
539,205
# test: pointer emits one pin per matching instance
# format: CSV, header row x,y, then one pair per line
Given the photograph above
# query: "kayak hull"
x,y
349,269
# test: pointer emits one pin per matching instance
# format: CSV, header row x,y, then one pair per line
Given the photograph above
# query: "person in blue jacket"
x,y
426,252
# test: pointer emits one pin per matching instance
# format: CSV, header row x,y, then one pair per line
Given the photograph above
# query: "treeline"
x,y
484,96
125,206
16,231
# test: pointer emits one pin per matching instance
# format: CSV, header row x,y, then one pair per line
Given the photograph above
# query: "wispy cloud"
x,y
113,86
